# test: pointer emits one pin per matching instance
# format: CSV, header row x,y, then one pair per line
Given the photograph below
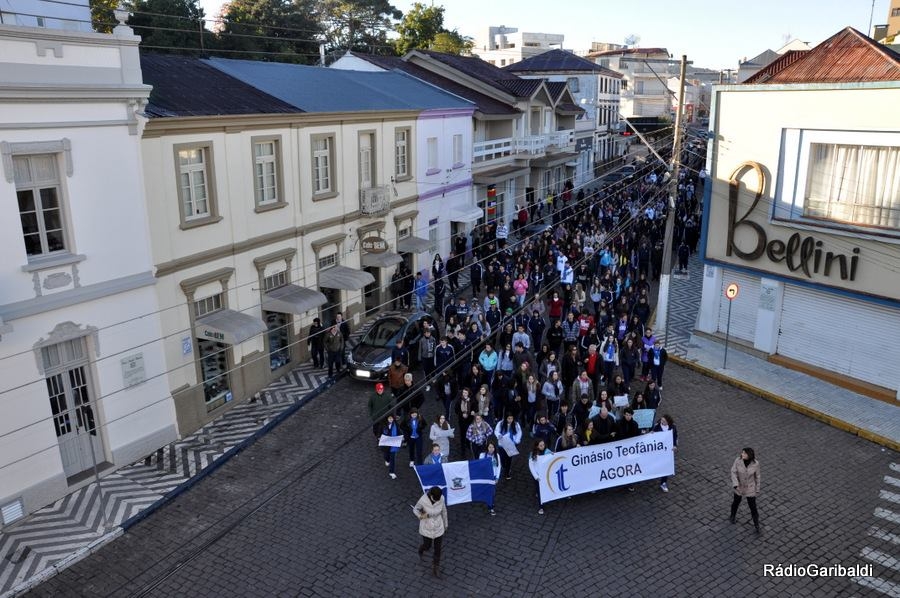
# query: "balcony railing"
x,y
374,201
532,145
492,149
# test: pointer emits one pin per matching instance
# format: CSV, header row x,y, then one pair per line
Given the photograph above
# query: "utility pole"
x,y
662,304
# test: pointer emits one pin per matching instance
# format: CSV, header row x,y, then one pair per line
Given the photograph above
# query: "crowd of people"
x,y
551,344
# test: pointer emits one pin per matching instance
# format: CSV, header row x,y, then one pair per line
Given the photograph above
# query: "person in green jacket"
x,y
380,404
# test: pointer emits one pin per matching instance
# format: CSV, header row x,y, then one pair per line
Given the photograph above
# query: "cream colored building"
x,y
804,214
263,210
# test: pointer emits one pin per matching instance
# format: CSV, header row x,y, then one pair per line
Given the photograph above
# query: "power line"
x,y
610,237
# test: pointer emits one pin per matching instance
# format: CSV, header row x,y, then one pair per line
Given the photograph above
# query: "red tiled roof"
x,y
786,59
846,57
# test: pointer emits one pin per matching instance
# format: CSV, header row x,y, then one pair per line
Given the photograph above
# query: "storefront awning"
x,y
344,278
228,326
470,214
413,245
385,259
292,299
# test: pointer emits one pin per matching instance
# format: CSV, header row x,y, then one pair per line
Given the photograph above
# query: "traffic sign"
x,y
731,291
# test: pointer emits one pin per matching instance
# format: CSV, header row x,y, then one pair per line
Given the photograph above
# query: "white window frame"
x,y
206,171
458,151
268,194
328,261
275,280
324,175
791,185
35,186
401,153
432,153
209,305
433,238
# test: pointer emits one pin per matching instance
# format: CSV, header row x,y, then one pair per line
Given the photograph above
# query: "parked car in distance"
x,y
610,178
371,358
534,230
628,171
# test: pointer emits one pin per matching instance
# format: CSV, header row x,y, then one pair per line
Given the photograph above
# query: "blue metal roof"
x,y
320,89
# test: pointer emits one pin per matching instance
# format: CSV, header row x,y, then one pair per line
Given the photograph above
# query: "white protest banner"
x,y
620,401
390,441
589,468
508,445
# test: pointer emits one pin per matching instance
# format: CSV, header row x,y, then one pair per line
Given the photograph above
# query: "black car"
x,y
371,358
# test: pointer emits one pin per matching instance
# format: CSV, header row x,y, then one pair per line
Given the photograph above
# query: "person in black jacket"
x,y
535,327
475,272
657,357
315,343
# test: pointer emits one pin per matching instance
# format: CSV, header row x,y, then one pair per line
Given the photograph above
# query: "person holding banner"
x,y
509,434
540,448
432,513
745,482
390,452
667,423
490,452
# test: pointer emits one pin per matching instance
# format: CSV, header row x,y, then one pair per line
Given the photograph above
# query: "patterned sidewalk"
x,y
858,414
60,534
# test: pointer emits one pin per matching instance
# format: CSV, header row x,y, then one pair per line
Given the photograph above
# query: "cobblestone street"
x,y
310,511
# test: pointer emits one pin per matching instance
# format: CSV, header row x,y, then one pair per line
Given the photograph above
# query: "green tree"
x,y
360,25
419,27
280,30
102,17
451,42
179,31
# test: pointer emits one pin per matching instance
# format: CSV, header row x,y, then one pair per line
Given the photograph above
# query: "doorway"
x,y
372,300
74,418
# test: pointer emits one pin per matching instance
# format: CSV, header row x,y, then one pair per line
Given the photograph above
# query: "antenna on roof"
x,y
632,40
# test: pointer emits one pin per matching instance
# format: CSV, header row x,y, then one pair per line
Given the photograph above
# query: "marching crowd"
x,y
552,341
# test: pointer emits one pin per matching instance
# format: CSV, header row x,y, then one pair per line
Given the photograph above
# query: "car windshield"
x,y
383,333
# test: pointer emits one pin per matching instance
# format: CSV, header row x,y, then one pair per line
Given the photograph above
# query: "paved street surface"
x,y
310,511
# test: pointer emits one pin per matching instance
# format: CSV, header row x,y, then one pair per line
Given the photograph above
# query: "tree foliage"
x,y
178,32
280,30
419,27
360,25
422,28
102,18
451,42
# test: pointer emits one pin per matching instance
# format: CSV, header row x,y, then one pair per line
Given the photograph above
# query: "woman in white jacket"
x,y
540,448
441,433
432,512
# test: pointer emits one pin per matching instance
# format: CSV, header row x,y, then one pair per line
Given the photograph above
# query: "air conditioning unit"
x,y
374,200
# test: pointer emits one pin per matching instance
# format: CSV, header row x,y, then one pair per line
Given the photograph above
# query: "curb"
x,y
85,551
830,420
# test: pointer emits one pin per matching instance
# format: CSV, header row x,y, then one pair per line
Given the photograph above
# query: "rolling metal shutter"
x,y
841,334
743,312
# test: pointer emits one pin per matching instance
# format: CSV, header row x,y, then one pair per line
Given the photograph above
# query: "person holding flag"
x,y
490,452
432,513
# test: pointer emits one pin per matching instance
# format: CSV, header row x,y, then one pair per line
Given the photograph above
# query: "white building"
x,y
82,372
523,130
593,88
502,46
443,171
804,214
645,72
280,193
692,98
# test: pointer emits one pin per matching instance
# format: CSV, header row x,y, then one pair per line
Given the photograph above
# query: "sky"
x,y
712,33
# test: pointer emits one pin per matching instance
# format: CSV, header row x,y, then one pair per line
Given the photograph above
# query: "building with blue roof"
x,y
279,193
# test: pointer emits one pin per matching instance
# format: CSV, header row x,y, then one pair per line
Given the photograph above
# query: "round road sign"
x,y
731,291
